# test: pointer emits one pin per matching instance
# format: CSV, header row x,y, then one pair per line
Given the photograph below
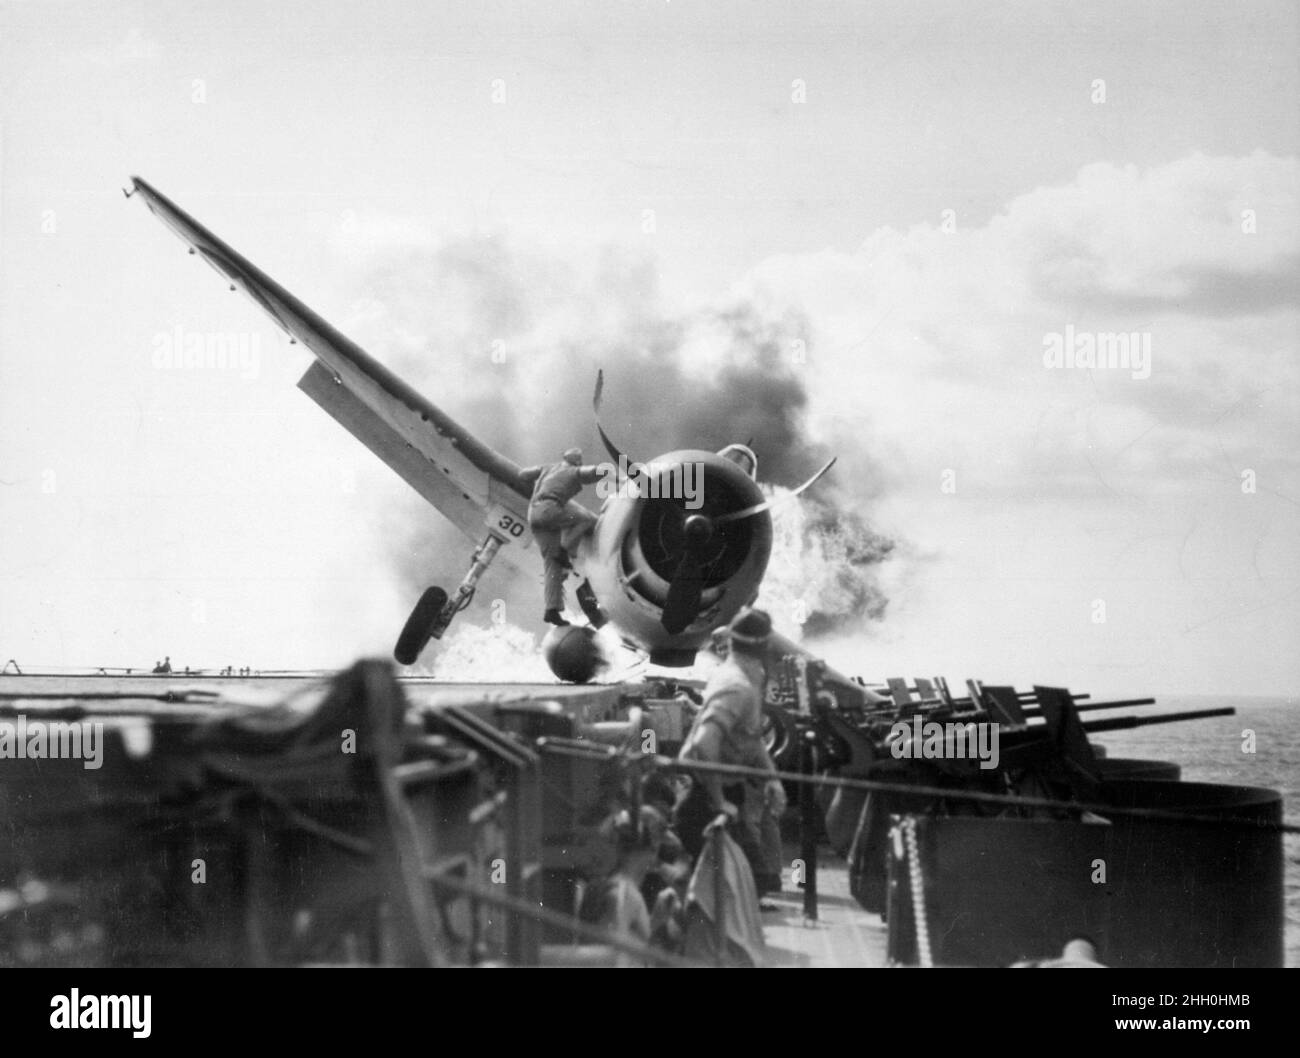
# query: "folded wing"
x,y
476,488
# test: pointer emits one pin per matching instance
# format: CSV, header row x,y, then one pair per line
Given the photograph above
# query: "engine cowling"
x,y
652,536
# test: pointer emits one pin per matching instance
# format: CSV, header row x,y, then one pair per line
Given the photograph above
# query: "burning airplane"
x,y
661,565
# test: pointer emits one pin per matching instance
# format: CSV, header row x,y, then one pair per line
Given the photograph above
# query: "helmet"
x,y
749,630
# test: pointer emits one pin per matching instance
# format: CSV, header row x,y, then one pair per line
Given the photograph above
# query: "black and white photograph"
x,y
650,484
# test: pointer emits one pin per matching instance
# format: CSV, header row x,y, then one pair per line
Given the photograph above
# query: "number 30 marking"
x,y
507,525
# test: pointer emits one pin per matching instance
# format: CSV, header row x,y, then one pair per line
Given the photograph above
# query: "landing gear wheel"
x,y
415,633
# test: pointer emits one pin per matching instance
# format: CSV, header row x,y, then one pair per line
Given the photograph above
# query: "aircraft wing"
x,y
476,488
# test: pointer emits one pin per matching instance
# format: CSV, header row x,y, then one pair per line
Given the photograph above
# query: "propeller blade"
x,y
610,447
686,588
758,508
684,594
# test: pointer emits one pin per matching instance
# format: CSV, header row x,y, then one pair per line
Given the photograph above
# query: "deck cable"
x,y
578,748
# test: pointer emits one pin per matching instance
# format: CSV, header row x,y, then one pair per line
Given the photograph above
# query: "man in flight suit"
x,y
729,730
552,519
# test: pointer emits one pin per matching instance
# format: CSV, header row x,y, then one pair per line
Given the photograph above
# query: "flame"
x,y
822,576
501,653
506,653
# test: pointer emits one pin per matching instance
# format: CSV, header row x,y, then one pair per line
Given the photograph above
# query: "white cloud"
x,y
1076,485
1159,237
933,340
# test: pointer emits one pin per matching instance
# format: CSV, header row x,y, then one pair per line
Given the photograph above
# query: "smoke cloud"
x,y
509,341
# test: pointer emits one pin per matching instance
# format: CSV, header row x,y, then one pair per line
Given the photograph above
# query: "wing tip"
x,y
138,184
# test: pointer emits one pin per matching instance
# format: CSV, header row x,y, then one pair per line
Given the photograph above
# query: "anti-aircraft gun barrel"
x,y
1123,723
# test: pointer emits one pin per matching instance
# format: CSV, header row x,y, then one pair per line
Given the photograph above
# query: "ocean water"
x,y
1211,751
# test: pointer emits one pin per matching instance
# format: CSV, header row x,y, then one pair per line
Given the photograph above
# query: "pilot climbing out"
x,y
556,523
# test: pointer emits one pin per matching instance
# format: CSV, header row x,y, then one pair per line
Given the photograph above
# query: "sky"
x,y
938,194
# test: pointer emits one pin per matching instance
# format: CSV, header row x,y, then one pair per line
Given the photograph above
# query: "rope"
x,y
574,747
918,893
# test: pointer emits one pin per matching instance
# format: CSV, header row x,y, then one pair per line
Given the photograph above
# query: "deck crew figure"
x,y
729,730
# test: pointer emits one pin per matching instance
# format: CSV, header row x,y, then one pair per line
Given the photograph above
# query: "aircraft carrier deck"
x,y
246,772
842,934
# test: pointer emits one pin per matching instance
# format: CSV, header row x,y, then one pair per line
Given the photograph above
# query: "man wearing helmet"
x,y
729,730
554,520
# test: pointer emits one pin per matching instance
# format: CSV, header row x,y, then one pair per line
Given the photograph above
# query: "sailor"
x,y
555,521
613,901
761,813
729,730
